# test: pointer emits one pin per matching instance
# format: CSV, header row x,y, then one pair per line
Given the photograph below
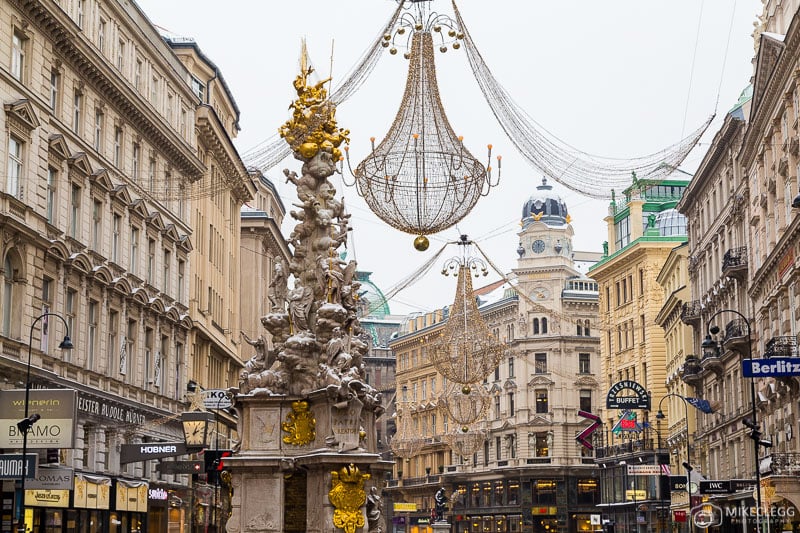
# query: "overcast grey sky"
x,y
617,78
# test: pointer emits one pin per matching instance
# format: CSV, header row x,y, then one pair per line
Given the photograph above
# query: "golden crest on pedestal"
x,y
300,425
347,495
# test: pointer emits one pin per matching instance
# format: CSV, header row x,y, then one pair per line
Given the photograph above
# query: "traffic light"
x,y
214,463
755,433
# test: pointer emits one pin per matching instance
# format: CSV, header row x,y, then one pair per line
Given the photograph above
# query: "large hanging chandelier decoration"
x,y
464,404
420,178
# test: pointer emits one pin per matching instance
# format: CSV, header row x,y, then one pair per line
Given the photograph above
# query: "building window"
x,y
52,176
120,55
135,167
497,407
535,326
101,35
154,91
511,367
540,363
151,174
151,259
55,83
116,226
148,358
497,373
170,109
70,312
79,13
98,130
113,338
586,400
75,211
181,274
499,455
542,406
134,267
15,167
586,328
19,45
544,326
117,146
579,329
511,407
165,281
8,295
544,492
584,366
137,75
91,339
198,89
77,111
486,453
97,224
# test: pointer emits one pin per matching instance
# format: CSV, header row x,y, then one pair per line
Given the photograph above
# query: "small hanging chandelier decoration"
x,y
405,443
465,404
465,441
421,179
466,351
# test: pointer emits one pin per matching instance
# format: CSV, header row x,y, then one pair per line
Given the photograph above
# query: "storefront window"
x,y
513,492
544,492
588,492
476,495
499,493
487,493
487,524
515,523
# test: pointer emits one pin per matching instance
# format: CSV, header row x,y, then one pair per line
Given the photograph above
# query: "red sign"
x,y
679,516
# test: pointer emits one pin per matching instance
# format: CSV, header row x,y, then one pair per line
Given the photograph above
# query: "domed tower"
x,y
546,233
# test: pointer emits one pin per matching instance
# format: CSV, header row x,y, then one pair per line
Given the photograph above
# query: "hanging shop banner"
x,y
46,498
638,400
131,495
12,466
92,492
55,428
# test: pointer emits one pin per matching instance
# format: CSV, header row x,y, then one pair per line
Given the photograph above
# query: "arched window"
x,y
580,328
586,328
544,325
535,326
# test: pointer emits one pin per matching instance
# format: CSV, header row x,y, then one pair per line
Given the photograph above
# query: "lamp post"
x,y
688,464
26,423
709,345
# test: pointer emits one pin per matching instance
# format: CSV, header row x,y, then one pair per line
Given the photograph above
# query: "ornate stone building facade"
x,y
101,136
743,268
530,474
643,229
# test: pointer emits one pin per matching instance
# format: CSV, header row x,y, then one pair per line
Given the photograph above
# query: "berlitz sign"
x,y
639,400
772,367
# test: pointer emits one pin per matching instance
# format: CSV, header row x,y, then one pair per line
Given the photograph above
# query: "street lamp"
x,y
688,464
26,423
710,346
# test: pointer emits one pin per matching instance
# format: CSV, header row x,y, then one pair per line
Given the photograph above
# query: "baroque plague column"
x,y
308,458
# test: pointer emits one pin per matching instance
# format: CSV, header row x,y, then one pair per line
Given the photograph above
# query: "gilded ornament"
x,y
300,425
347,495
421,243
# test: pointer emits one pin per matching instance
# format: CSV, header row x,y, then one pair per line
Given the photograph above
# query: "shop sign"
x,y
774,367
711,486
217,399
644,470
131,453
12,466
403,507
679,516
743,484
55,478
113,412
421,521
543,510
635,495
46,498
55,428
786,262
677,483
639,400
157,494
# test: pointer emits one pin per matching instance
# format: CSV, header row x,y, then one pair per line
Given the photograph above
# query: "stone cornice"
x,y
788,239
68,42
213,135
760,116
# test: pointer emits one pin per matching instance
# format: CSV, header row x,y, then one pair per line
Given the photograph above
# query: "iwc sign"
x,y
616,400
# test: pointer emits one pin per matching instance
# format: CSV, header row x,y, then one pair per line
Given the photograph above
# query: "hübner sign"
x,y
130,453
641,400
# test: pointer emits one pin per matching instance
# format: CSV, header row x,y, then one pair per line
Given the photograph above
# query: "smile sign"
x,y
640,399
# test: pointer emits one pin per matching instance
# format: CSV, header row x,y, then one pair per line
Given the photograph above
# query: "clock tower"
x,y
546,235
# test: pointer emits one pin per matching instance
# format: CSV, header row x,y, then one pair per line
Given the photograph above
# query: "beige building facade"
x,y
529,473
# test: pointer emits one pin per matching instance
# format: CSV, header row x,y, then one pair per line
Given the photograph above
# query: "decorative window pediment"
x,y
57,146
586,382
21,116
101,179
156,221
79,162
510,385
138,208
171,233
540,380
540,420
185,244
121,194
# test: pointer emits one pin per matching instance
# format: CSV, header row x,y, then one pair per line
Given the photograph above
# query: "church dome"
x,y
545,206
371,300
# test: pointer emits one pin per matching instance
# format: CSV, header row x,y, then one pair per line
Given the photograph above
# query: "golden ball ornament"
x,y
466,389
421,243
464,429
